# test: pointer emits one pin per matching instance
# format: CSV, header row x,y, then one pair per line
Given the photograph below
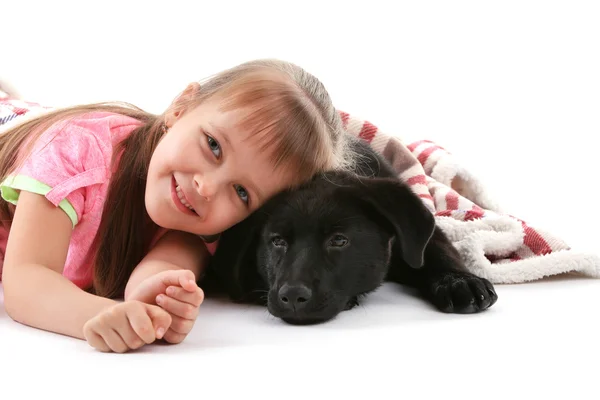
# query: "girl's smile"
x,y
180,200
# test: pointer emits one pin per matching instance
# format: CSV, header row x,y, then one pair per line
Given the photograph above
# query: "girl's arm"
x,y
35,292
167,277
174,251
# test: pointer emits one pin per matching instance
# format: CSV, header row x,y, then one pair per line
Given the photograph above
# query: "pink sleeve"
x,y
67,158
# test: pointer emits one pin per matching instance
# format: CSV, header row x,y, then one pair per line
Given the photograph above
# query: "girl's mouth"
x,y
180,200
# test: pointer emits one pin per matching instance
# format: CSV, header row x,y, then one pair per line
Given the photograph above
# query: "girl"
x,y
107,201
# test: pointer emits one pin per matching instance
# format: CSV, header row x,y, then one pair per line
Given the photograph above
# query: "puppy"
x,y
312,252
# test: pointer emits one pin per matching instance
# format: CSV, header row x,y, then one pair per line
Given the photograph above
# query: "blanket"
x,y
14,111
493,245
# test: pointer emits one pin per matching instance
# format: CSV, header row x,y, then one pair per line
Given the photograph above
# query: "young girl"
x,y
107,201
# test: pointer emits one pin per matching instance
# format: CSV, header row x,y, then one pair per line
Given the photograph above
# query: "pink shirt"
x,y
71,166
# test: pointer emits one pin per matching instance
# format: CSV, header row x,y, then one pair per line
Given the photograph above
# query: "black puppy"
x,y
311,252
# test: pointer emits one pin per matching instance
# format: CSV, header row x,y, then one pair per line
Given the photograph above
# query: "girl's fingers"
x,y
181,325
194,298
188,282
96,341
174,337
113,340
130,337
180,277
141,323
176,307
161,319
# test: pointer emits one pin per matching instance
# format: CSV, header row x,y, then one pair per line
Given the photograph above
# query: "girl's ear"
x,y
181,103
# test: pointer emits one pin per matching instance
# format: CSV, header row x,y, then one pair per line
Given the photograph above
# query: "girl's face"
x,y
204,177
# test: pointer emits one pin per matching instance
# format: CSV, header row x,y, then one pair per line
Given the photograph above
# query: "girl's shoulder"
x,y
69,156
91,128
83,142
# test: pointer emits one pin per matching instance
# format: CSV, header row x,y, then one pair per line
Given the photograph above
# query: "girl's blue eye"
x,y
214,146
242,193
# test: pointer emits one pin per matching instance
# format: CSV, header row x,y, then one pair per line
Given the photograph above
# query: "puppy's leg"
x,y
444,280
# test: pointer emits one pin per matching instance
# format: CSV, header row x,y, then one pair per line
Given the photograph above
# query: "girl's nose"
x,y
205,187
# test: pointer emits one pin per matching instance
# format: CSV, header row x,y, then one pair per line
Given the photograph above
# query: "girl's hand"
x,y
126,326
176,292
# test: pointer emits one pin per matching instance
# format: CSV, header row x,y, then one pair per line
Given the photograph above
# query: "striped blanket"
x,y
493,245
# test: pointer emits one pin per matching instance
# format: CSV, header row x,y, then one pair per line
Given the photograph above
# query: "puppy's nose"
x,y
295,296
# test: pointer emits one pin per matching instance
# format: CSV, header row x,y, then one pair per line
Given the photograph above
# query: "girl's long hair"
x,y
289,112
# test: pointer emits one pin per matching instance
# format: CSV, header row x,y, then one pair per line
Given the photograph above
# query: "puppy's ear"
x,y
398,204
234,262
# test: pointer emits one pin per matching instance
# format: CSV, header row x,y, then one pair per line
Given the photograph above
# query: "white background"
x,y
511,87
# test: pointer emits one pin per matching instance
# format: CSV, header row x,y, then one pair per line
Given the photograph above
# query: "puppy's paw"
x,y
462,293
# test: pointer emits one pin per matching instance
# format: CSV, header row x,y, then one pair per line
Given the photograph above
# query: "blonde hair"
x,y
289,113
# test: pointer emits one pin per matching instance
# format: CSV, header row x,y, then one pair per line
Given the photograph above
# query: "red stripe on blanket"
x,y
19,110
477,209
368,131
452,200
514,257
445,213
535,241
425,154
473,215
426,196
416,144
417,179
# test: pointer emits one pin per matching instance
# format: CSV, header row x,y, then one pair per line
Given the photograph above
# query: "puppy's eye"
x,y
278,241
338,241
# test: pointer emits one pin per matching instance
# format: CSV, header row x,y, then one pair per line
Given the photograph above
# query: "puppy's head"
x,y
309,253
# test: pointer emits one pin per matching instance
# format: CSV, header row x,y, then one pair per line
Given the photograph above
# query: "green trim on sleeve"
x,y
12,185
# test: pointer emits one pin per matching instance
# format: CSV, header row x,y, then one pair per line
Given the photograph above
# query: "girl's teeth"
x,y
181,198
